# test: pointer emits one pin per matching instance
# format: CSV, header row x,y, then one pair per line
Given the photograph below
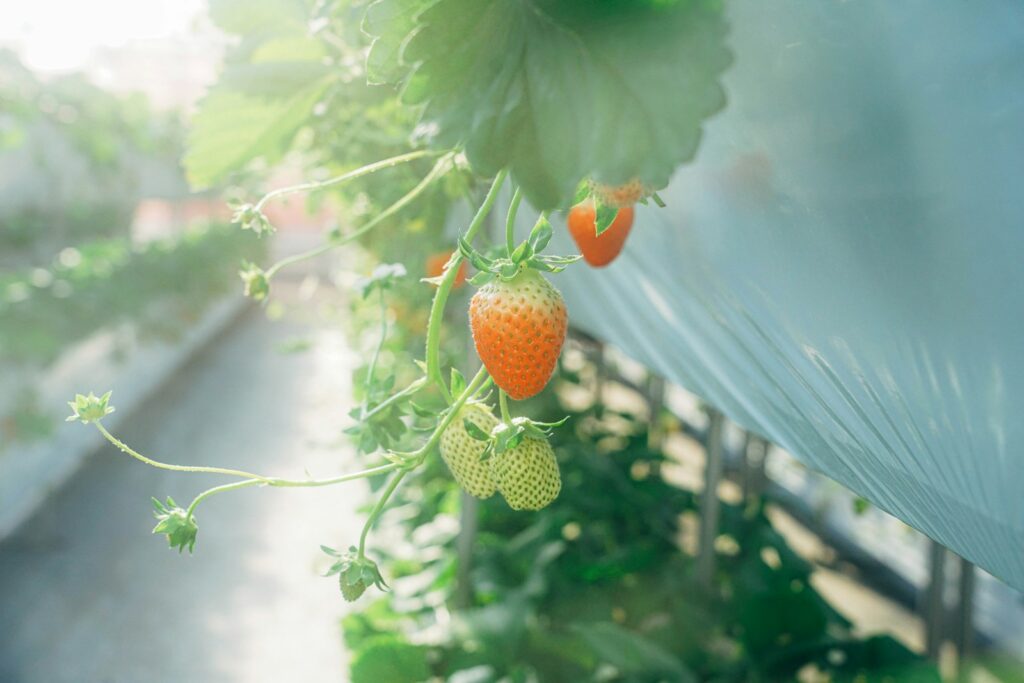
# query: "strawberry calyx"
x,y
355,572
507,435
607,200
526,256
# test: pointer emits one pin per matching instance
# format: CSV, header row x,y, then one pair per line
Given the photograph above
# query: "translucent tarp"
x,y
840,269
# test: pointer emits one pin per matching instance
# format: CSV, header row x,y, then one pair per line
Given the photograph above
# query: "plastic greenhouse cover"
x,y
840,268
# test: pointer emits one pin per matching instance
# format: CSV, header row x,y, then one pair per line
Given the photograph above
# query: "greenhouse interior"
x,y
511,341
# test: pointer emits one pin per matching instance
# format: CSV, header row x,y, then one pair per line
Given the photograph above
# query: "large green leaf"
x,y
558,89
264,96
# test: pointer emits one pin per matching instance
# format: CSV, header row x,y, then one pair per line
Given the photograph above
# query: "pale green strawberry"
x,y
527,475
462,453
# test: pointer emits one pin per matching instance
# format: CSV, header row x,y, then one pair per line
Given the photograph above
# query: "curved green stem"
x,y
218,489
289,483
442,166
411,389
123,447
378,508
506,417
441,296
298,258
510,221
479,380
242,474
351,175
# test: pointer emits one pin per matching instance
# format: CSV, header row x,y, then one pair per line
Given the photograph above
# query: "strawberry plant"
x,y
434,103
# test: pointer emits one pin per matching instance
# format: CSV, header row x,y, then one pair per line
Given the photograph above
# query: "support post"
x,y
934,607
656,404
464,550
709,504
965,615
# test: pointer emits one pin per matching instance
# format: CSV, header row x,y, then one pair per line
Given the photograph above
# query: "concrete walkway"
x,y
88,595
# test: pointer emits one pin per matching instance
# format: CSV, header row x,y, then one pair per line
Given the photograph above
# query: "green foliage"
x,y
387,658
176,524
161,287
86,147
557,90
595,588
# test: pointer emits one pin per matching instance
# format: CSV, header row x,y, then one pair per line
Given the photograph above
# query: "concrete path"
x,y
88,595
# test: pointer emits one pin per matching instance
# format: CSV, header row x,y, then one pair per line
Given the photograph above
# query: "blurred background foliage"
x,y
76,161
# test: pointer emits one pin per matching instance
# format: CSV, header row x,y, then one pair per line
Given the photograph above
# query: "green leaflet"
x,y
273,79
556,90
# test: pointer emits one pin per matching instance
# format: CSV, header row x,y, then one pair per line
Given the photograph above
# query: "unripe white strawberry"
x,y
462,453
527,475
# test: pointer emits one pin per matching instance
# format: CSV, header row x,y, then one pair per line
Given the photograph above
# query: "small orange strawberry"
x,y
435,267
519,327
599,250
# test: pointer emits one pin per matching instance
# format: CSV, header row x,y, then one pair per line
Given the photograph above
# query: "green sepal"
x,y
355,573
91,408
458,382
175,523
540,235
474,430
605,216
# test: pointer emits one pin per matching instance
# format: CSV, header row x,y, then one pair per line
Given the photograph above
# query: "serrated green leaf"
x,y
559,91
231,129
392,21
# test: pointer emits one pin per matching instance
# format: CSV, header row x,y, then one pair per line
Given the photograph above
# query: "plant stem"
x,y
479,379
289,483
396,479
411,389
506,417
510,221
442,166
247,476
218,489
351,175
441,296
175,468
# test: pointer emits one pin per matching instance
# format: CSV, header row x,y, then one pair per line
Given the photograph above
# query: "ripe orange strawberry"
x,y
621,196
599,250
518,328
435,267
463,454
527,475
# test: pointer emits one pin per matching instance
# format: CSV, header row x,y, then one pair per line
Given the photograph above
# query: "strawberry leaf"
x,y
556,91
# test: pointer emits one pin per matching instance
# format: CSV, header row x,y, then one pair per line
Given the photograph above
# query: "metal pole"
x,y
600,376
656,402
464,550
965,614
934,607
709,504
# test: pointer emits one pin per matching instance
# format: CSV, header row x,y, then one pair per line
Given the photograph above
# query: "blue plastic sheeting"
x,y
840,269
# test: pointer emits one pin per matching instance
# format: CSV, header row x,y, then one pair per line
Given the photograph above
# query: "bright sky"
x,y
62,35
